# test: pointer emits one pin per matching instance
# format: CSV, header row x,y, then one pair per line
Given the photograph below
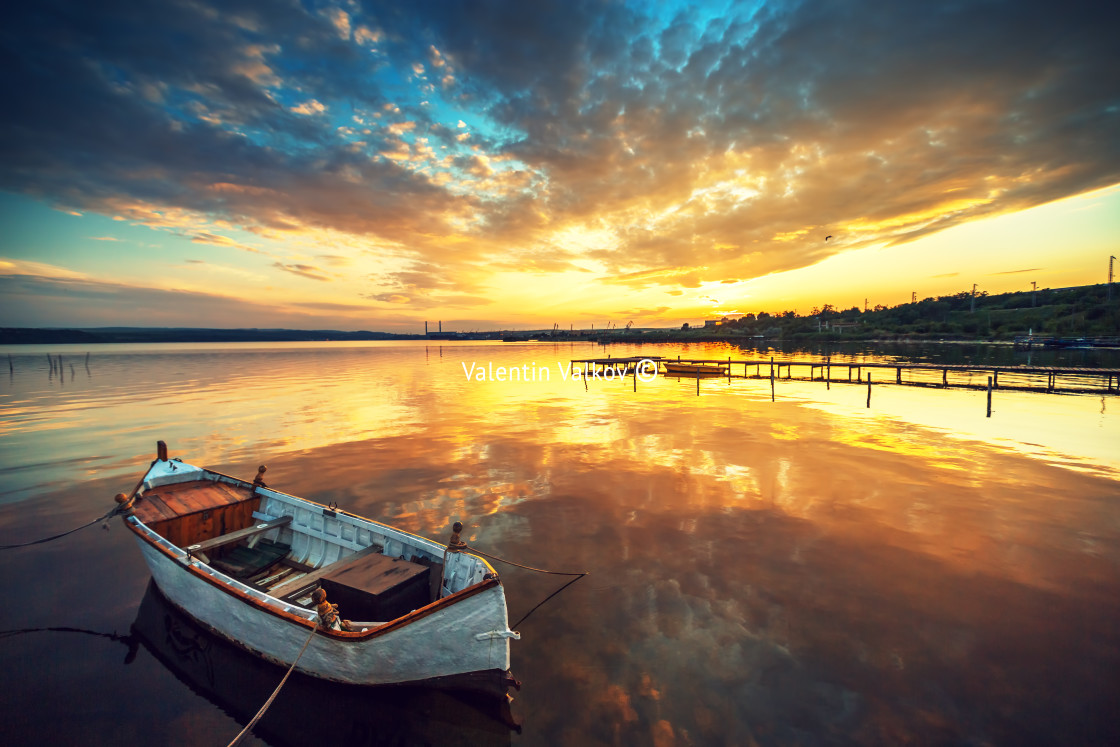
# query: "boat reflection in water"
x,y
310,710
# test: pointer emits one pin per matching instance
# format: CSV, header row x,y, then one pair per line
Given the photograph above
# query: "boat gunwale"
x,y
246,483
223,582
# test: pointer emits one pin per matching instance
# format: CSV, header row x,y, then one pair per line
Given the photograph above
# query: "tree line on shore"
x,y
1085,311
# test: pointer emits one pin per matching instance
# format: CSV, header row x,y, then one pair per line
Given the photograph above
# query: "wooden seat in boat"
x,y
366,585
248,533
308,582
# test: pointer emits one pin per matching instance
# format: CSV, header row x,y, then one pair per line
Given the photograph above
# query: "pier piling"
x,y
989,396
869,389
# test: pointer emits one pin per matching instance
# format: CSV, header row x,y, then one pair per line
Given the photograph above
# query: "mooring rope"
x,y
25,631
115,510
271,698
525,617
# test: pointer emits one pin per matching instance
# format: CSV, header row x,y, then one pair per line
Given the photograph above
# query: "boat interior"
x,y
287,547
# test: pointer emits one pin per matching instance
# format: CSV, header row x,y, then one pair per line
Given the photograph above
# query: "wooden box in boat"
x,y
371,587
442,616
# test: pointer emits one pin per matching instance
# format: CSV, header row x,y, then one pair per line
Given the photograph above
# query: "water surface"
x,y
802,571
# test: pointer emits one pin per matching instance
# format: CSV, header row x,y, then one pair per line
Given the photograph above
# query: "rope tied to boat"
x,y
272,698
328,613
123,507
464,547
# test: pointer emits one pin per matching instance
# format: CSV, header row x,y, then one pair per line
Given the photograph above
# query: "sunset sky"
x,y
267,163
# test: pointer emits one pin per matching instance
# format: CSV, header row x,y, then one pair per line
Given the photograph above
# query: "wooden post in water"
x,y
697,385
995,378
771,368
771,379
828,373
944,377
869,389
989,396
898,375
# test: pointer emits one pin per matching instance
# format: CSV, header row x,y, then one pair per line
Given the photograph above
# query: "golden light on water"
x,y
726,529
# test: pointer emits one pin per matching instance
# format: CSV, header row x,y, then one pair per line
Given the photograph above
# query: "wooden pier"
x,y
937,375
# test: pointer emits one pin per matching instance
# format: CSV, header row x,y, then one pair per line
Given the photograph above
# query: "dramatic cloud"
x,y
38,296
1016,272
304,271
714,145
32,300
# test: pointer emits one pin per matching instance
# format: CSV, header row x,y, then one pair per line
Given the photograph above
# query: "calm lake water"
x,y
802,571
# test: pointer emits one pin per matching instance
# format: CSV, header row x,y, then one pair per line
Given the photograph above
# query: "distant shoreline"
x,y
122,335
117,335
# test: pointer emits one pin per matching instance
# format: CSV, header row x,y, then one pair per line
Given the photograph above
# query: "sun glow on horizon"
x,y
731,166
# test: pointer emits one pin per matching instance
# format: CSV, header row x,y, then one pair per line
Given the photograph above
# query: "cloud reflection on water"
x,y
796,571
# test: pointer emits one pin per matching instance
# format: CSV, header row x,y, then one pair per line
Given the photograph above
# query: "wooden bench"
x,y
199,549
293,589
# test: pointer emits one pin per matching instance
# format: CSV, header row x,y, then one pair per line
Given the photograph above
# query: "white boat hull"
x,y
440,644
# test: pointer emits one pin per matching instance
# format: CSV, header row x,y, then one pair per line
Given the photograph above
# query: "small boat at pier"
x,y
271,572
695,369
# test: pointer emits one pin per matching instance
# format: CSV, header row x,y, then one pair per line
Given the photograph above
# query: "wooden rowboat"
x,y
245,561
694,369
